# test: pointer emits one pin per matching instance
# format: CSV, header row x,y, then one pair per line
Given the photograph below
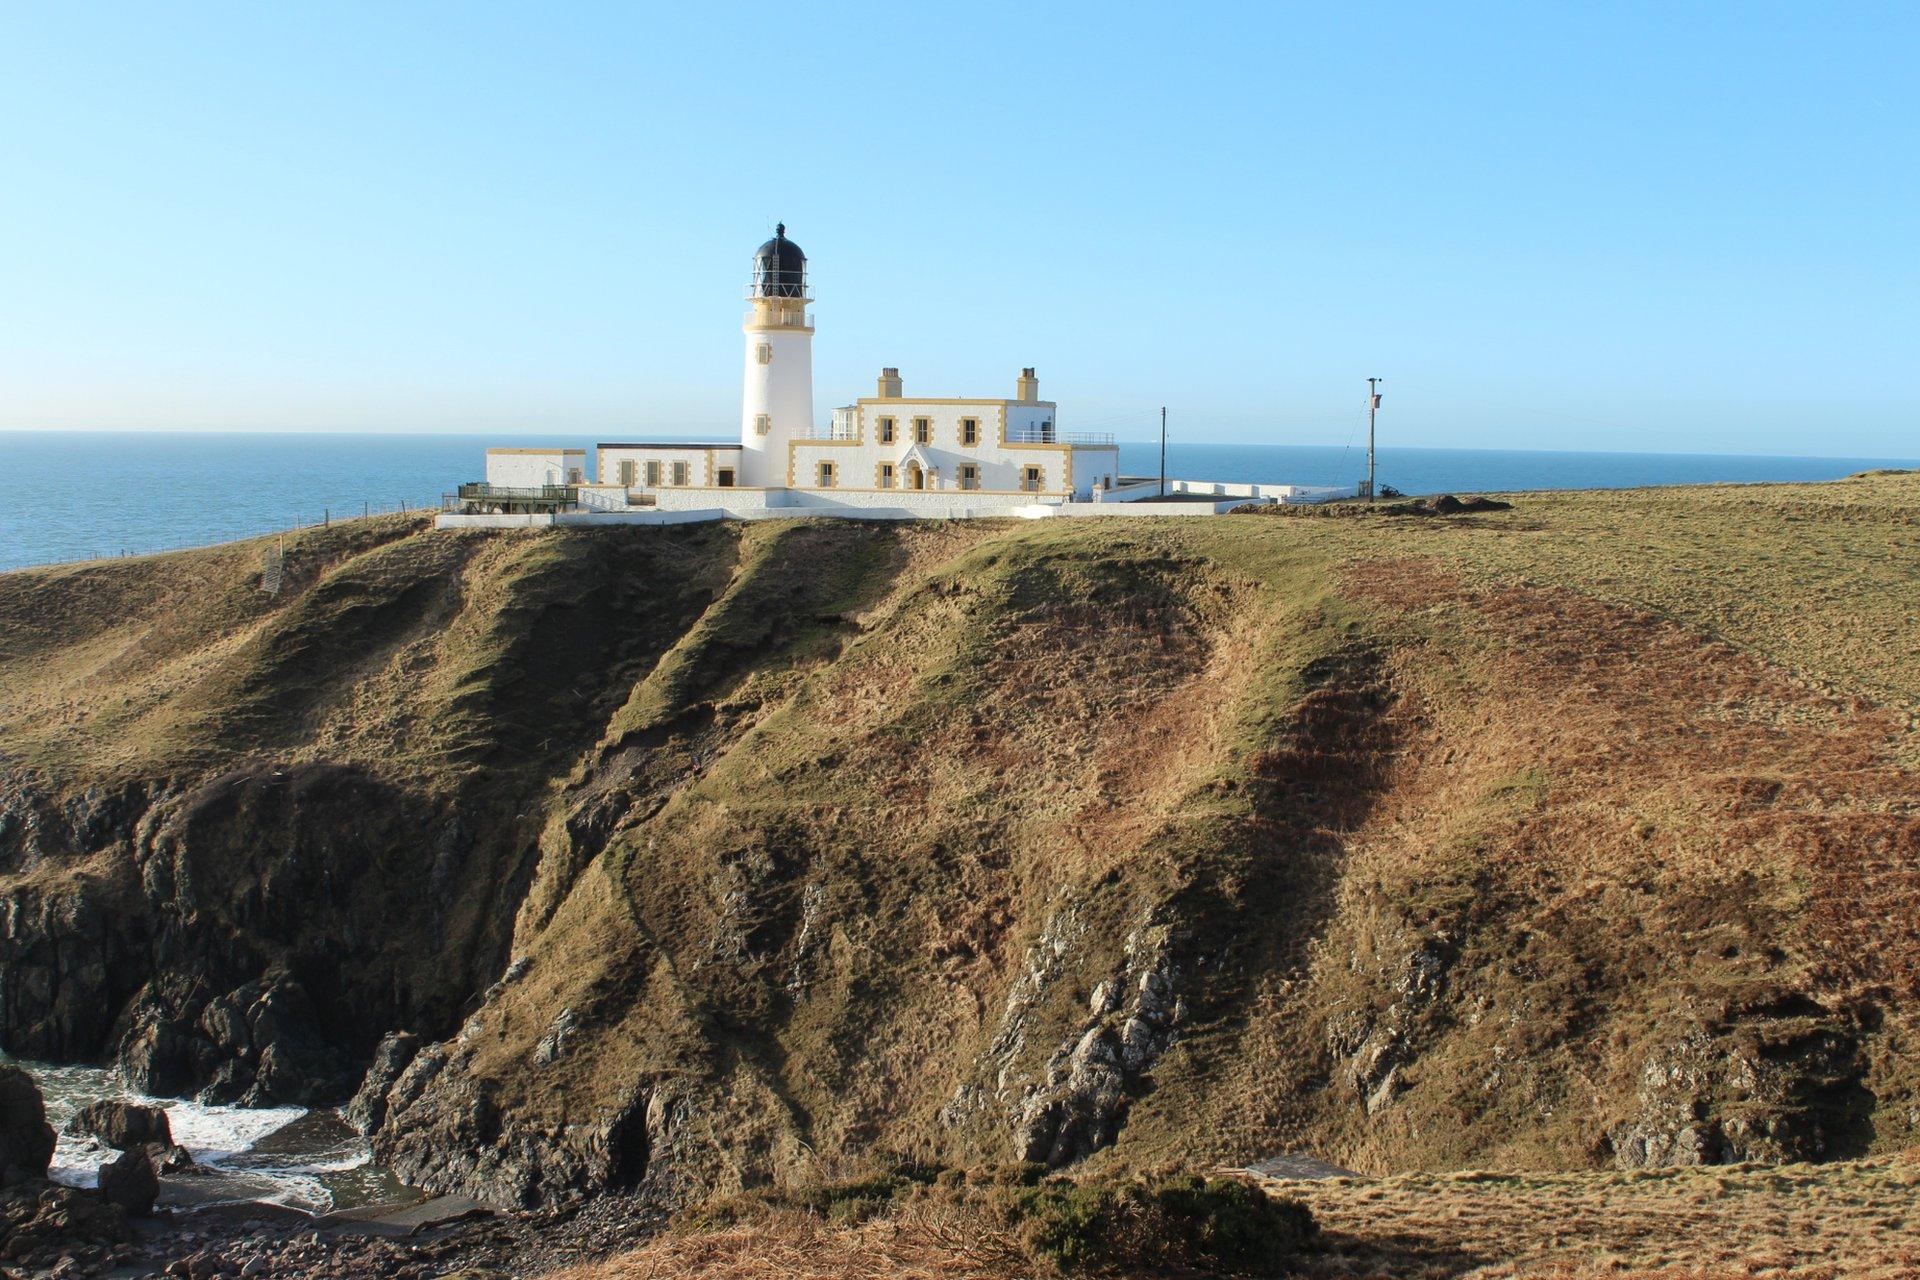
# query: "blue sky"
x,y
1588,226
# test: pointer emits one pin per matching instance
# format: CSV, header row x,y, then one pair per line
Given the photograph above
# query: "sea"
x,y
77,495
307,1160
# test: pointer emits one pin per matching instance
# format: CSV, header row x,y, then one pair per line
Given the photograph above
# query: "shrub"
x,y
1178,1220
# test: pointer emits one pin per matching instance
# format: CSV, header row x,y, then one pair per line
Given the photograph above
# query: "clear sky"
x,y
1661,226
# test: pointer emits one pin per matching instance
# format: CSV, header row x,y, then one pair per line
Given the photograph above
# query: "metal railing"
x,y
531,493
1051,435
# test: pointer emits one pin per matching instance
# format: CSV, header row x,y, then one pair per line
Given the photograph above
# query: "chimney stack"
x,y
889,383
1027,390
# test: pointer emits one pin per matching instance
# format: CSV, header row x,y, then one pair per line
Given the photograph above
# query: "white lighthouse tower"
x,y
776,405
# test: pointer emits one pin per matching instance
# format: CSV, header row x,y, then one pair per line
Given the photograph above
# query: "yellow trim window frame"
x,y
886,431
883,477
762,423
825,475
627,472
653,474
923,430
680,473
1032,478
969,476
764,353
969,431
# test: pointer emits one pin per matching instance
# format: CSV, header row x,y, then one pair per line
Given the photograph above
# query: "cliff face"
x,y
695,854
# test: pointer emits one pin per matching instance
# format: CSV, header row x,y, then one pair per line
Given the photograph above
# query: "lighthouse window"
x,y
923,430
886,431
826,475
653,475
969,431
764,353
762,423
680,473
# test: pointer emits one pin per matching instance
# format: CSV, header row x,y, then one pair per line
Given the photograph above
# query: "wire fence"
x,y
329,516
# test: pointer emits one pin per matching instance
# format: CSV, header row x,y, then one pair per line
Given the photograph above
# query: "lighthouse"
x,y
776,404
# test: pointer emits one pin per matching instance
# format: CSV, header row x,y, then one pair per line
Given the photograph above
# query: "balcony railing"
x,y
835,430
481,494
1052,435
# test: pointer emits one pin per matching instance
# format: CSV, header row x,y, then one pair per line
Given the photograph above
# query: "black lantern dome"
x,y
779,268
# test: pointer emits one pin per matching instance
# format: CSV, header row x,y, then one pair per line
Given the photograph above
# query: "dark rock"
x,y
1764,1088
122,1125
443,1130
395,1054
130,1182
26,1139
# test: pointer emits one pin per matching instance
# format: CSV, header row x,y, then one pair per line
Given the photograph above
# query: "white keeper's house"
x,y
886,456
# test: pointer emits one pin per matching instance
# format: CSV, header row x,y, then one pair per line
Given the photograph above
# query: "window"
x,y
826,475
886,431
886,475
680,473
762,423
725,478
1031,478
969,476
575,475
653,475
764,353
923,430
627,471
969,431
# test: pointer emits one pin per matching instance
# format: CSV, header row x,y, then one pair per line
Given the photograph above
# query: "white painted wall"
x,y
1002,463
703,464
529,469
781,388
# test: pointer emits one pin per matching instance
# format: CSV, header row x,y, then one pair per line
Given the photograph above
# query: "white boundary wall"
x,y
693,505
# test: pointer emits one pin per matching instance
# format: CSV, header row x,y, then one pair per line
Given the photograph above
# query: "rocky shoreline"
x,y
57,1232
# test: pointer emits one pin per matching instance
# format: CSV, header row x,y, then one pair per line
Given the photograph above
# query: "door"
x,y
916,478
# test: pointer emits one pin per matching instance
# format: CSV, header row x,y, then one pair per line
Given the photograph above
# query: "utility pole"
x,y
1373,407
1163,451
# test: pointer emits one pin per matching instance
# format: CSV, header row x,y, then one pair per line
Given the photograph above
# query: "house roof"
x,y
659,444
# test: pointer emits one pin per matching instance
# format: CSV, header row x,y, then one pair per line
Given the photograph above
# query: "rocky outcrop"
x,y
45,1226
26,1139
1081,1100
246,938
259,1044
1771,1089
1374,1044
443,1129
122,1125
394,1054
1078,1101
130,1182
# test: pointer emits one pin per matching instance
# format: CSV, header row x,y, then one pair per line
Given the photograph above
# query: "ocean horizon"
x,y
77,495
